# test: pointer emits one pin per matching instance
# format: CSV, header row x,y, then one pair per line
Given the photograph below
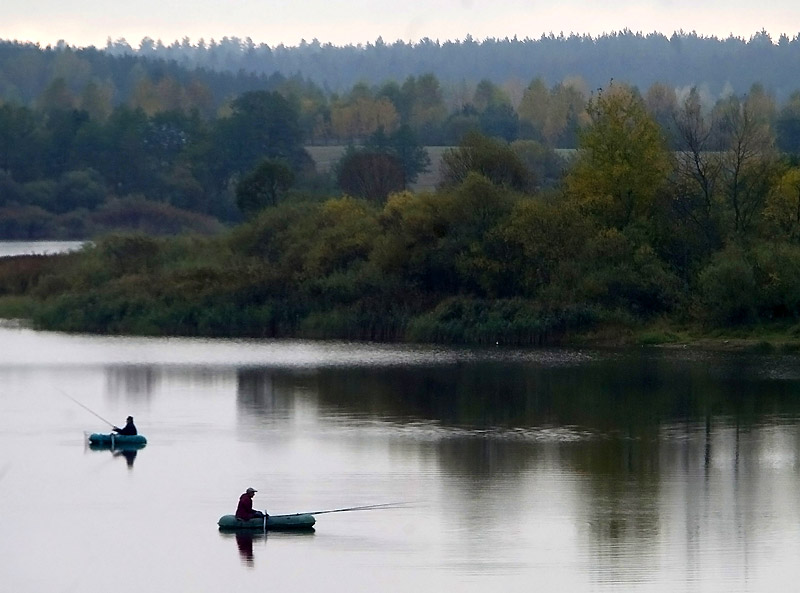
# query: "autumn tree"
x,y
622,159
553,116
782,210
360,114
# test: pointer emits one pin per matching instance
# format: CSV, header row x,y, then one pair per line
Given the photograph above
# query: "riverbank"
x,y
753,340
776,338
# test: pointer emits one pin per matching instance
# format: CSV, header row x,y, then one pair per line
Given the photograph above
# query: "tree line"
x,y
121,141
694,224
682,59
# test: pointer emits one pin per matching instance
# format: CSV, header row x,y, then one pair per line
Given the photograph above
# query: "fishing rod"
x,y
367,507
85,408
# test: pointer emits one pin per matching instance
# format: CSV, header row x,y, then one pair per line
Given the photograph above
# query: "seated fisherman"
x,y
245,510
128,429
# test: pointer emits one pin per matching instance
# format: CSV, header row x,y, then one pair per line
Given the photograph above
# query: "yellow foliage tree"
x,y
783,205
356,120
622,160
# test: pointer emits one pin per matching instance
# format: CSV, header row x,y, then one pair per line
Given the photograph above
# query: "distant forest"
x,y
158,138
719,66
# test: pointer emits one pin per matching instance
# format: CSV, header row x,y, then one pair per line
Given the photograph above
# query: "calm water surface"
x,y
9,248
546,470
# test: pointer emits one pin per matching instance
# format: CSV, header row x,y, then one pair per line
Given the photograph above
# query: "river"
x,y
552,470
12,248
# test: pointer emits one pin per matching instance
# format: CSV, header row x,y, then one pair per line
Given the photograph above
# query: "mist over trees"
x,y
683,59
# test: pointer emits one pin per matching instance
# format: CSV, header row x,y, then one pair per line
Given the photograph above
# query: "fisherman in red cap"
x,y
245,510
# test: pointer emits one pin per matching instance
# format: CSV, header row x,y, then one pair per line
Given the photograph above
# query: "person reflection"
x,y
244,541
128,454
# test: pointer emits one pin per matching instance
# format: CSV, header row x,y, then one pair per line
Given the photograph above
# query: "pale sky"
x,y
340,22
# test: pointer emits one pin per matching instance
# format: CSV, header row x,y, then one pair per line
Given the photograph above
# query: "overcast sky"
x,y
91,22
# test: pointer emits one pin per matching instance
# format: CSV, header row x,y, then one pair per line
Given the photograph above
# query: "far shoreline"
x,y
620,339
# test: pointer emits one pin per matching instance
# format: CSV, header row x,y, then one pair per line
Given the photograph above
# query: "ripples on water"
x,y
431,432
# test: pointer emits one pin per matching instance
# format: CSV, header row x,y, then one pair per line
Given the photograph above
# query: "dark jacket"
x,y
128,429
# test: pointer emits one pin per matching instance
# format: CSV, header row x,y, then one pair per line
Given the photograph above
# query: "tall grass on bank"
x,y
511,322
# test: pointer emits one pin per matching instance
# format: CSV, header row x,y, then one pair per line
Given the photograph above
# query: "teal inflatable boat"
x,y
117,440
297,522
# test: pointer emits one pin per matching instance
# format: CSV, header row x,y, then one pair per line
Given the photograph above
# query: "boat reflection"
x,y
245,539
127,452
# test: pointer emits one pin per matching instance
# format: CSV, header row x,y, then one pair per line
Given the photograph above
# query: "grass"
x,y
16,307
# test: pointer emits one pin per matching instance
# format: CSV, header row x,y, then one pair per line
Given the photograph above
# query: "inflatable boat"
x,y
299,522
114,440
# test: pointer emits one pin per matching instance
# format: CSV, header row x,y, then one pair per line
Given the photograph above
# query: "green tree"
x,y
262,125
79,189
544,165
533,109
494,159
57,97
782,210
787,125
370,174
21,143
263,186
403,144
662,105
96,100
426,111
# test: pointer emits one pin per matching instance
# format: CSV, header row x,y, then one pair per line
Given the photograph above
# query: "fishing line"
x,y
85,408
367,507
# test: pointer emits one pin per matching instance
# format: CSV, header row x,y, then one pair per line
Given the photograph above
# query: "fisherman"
x,y
128,429
245,510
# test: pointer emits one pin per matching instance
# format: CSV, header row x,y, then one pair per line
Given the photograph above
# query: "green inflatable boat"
x,y
117,440
296,522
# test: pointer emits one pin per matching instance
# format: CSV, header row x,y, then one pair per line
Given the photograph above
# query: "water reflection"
x,y
614,472
264,393
647,445
132,382
128,452
248,541
256,391
244,541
